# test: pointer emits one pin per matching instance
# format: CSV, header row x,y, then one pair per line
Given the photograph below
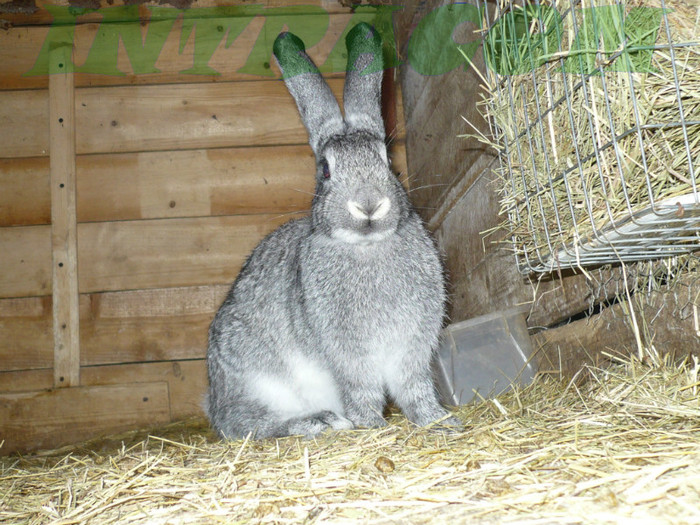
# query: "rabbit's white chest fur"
x,y
304,387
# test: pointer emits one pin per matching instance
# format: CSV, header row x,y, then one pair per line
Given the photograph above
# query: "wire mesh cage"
x,y
596,112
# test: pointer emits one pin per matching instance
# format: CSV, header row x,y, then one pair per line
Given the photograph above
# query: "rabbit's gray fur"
x,y
332,312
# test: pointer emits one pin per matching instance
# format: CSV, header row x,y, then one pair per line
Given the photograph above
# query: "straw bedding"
x,y
610,445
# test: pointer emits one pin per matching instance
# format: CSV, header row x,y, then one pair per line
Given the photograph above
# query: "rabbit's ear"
x,y
317,105
363,82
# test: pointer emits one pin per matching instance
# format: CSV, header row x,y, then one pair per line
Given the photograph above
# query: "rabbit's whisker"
x,y
393,137
425,187
297,212
313,194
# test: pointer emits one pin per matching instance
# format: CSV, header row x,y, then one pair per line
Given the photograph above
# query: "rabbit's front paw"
x,y
450,424
312,426
369,421
337,422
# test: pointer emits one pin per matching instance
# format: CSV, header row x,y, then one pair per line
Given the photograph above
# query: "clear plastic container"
x,y
484,355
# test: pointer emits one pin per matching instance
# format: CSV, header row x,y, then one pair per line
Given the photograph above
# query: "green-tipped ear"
x,y
363,41
317,105
363,81
291,55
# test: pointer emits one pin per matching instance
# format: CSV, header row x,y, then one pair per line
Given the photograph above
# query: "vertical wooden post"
x,y
63,217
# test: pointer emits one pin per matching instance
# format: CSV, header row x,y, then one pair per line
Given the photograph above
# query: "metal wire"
x,y
575,228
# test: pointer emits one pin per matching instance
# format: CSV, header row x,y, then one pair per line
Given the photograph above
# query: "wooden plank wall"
x,y
127,206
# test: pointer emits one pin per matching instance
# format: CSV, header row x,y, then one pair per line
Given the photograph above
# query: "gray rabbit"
x,y
336,311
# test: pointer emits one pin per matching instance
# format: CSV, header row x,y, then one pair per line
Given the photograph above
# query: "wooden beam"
x,y
666,320
36,12
64,220
51,418
439,154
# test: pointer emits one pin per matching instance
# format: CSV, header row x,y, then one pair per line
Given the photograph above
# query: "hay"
x,y
575,163
620,443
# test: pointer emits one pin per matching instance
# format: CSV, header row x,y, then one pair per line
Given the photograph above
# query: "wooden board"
x,y
25,257
435,108
26,334
187,381
25,123
154,118
154,185
121,327
190,183
482,277
130,255
26,380
148,325
175,51
115,327
438,156
38,12
195,183
25,198
664,319
63,220
48,419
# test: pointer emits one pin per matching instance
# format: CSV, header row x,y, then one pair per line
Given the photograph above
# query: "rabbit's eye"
x,y
326,169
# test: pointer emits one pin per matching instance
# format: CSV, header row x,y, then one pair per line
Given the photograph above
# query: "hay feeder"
x,y
596,110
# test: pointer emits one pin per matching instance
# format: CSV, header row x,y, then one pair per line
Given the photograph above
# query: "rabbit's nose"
x,y
374,212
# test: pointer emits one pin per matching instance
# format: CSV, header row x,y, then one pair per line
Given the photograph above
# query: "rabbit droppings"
x,y
333,312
